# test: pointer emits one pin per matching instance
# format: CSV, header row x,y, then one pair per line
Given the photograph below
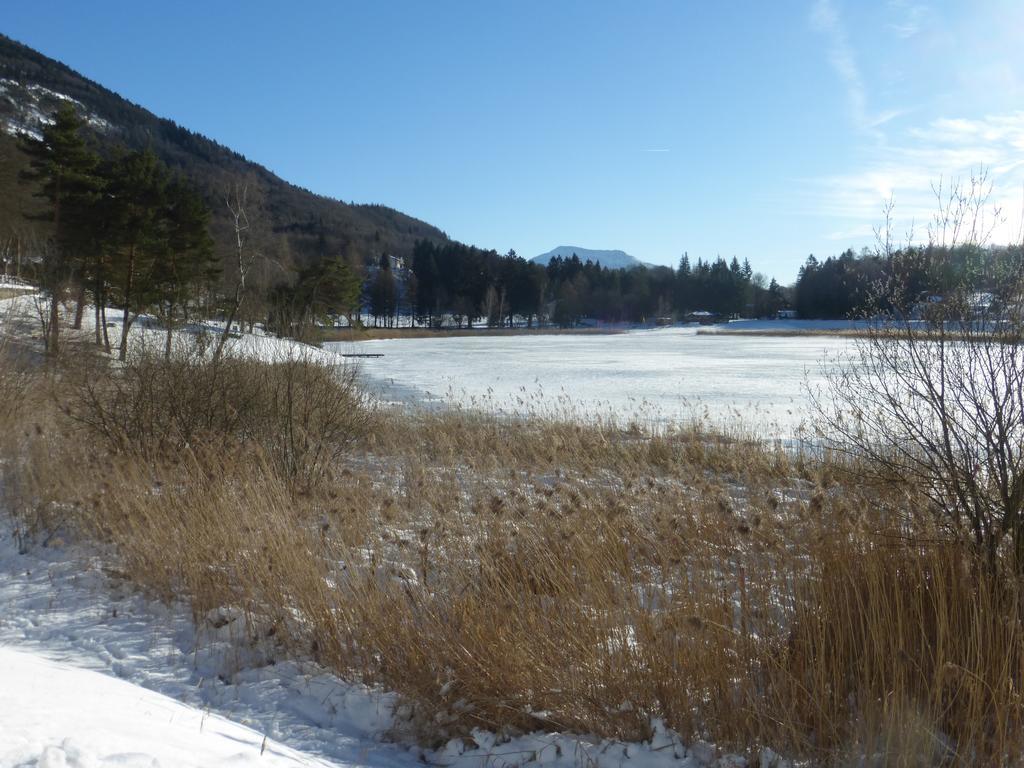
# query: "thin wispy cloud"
x,y
884,117
910,18
903,159
826,19
941,151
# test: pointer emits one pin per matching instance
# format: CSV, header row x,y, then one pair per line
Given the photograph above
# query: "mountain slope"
x,y
609,259
308,226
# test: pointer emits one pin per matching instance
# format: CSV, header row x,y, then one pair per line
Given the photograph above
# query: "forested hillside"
x,y
298,226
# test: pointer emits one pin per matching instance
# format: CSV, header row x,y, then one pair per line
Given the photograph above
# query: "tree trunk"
x,y
122,354
170,330
126,322
79,308
227,330
97,291
53,343
103,319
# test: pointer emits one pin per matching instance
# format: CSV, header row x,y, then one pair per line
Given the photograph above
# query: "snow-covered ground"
x,y
56,715
12,282
92,669
95,675
664,375
19,316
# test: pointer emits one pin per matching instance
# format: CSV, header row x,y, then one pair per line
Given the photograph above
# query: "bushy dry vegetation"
x,y
300,414
531,574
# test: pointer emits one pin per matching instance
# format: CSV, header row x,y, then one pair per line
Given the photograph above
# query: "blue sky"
x,y
763,130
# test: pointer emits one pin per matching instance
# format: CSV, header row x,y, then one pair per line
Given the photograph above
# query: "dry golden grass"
x,y
539,573
8,292
845,333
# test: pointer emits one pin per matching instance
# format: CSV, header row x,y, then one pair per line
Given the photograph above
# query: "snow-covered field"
x,y
671,375
665,375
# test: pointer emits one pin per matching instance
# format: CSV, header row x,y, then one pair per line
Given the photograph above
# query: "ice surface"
x,y
665,375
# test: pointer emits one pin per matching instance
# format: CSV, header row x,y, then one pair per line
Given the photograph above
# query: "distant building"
x,y
926,306
980,304
786,314
703,317
976,305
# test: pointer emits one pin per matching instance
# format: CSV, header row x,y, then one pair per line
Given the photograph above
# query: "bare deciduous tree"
x,y
934,391
245,256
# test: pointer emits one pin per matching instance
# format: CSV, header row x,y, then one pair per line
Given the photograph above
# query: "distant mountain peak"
x,y
606,258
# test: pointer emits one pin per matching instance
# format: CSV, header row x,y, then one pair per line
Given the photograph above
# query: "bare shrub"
x,y
15,383
934,392
303,413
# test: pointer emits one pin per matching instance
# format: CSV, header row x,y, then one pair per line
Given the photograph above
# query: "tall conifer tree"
x,y
65,168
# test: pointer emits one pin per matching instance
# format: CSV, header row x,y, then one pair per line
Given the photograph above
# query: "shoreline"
x,y
847,333
896,333
377,334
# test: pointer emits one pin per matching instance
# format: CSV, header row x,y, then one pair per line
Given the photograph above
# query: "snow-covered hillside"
x,y
26,108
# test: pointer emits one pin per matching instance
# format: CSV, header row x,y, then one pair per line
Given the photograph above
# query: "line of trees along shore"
x,y
464,283
461,283
847,285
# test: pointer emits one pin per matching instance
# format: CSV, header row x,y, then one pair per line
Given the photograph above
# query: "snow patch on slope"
x,y
56,715
28,107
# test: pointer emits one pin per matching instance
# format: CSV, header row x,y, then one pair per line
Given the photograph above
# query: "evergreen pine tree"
x,y
138,191
184,257
64,166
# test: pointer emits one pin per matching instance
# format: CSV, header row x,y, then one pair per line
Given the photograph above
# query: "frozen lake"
x,y
665,375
